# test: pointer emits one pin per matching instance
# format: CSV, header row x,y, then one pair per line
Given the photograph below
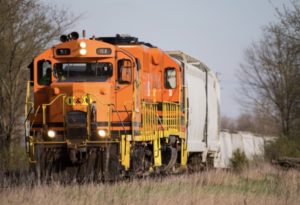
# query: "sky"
x,y
217,32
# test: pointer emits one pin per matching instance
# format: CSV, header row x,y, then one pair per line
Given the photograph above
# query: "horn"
x,y
74,35
63,38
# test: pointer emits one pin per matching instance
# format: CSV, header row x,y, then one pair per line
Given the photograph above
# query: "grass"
x,y
260,184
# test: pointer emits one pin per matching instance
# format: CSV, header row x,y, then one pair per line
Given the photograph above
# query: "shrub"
x,y
283,147
238,161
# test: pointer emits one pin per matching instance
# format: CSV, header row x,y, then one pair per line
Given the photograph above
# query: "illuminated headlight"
x,y
82,51
51,133
82,44
102,133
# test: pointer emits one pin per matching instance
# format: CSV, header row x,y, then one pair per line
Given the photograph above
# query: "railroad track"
x,y
10,180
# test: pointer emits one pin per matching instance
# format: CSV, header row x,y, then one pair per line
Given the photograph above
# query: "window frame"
x,y
67,77
40,72
119,73
168,86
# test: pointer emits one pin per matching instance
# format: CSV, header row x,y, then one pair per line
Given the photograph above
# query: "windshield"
x,y
83,72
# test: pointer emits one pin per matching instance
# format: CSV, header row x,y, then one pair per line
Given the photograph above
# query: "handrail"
x,y
171,116
35,114
48,104
185,106
31,108
88,116
149,120
160,121
27,98
127,112
115,110
27,113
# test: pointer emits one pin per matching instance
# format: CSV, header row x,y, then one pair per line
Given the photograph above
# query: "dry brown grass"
x,y
261,184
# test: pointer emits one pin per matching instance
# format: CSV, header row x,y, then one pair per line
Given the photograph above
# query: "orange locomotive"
x,y
105,107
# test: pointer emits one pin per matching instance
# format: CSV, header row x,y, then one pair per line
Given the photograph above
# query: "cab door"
x,y
42,82
124,89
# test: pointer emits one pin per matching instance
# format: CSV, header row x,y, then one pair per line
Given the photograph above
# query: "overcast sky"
x,y
215,31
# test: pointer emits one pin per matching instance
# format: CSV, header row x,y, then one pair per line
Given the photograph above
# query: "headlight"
x,y
51,133
82,44
102,133
82,51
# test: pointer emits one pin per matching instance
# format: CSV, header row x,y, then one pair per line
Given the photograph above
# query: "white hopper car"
x,y
203,90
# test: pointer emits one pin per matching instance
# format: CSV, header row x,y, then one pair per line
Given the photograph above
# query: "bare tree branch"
x,y
270,75
26,28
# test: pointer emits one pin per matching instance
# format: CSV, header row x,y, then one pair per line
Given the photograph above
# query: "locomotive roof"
x,y
124,40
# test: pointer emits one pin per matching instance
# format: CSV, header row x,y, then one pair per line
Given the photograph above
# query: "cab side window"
x,y
170,78
124,71
44,72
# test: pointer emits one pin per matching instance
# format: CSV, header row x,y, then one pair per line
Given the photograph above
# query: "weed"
x,y
238,161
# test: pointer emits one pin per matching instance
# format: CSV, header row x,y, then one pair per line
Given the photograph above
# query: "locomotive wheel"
x,y
195,163
39,168
137,159
98,166
141,161
44,166
70,174
111,162
86,170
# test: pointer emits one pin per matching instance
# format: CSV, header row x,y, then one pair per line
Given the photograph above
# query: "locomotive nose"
x,y
81,103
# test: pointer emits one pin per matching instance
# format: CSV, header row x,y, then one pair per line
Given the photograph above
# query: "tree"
x,y
228,124
26,28
255,122
270,75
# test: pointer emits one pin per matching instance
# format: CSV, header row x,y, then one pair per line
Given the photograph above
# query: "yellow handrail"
x,y
171,117
27,102
35,114
44,106
149,120
150,130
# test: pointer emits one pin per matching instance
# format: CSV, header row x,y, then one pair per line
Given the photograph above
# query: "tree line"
x,y
270,79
